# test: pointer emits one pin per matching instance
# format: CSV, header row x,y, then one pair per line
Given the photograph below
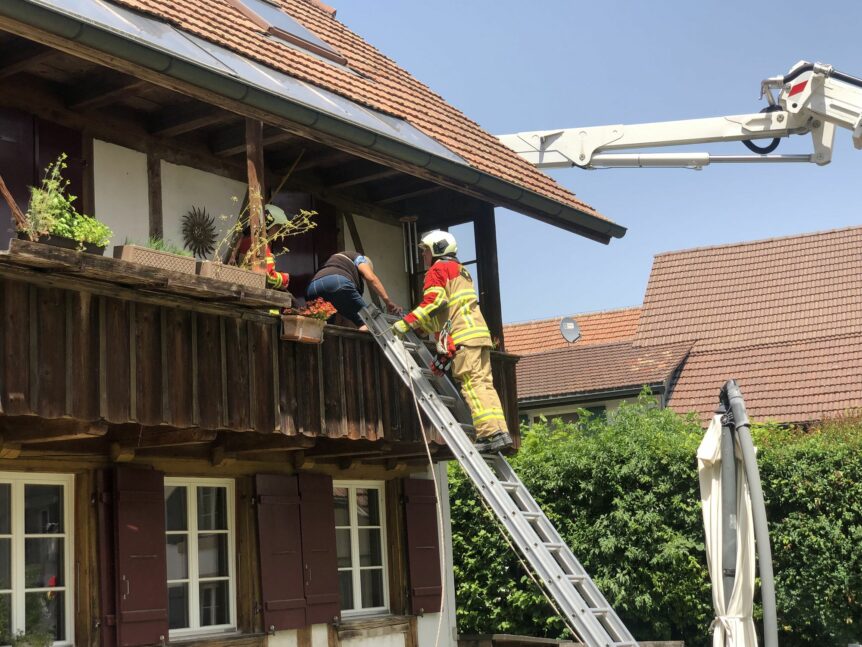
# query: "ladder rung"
x,y
576,578
532,516
602,611
410,345
510,486
448,400
427,372
554,547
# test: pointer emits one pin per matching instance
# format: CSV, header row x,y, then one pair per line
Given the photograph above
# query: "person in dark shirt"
x,y
341,281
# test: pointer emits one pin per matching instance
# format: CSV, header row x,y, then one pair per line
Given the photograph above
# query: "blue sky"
x,y
515,65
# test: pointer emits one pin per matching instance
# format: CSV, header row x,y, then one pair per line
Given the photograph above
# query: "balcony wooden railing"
x,y
90,350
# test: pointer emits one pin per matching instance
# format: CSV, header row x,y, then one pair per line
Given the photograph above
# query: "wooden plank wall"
x,y
85,356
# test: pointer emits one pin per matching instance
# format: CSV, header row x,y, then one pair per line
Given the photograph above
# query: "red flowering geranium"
x,y
318,309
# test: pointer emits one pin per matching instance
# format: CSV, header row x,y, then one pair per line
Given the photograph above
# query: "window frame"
x,y
294,40
193,579
355,568
18,538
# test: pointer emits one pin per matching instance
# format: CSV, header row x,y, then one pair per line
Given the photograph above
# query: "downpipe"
x,y
732,396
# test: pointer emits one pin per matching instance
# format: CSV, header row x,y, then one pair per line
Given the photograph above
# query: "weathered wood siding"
x,y
87,356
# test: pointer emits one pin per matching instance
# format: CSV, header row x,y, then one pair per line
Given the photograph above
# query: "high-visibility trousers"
x,y
472,367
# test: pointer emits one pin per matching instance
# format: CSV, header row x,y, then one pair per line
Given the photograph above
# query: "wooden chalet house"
x,y
170,470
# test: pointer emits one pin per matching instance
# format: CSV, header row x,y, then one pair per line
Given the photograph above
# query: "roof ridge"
x,y
745,243
772,344
595,347
578,314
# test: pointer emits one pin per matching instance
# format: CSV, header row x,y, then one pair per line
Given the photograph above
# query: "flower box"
x,y
155,258
231,274
65,243
306,330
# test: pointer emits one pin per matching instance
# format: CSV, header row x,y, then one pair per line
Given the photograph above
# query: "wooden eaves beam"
x,y
364,178
92,97
173,121
26,59
231,141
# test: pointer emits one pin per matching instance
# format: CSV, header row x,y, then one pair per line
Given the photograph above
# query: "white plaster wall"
x,y
184,187
384,245
390,640
120,191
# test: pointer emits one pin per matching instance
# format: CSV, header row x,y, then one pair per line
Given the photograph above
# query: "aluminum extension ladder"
x,y
584,608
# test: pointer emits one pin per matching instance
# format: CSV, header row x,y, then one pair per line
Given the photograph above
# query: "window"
x,y
200,550
35,555
275,21
360,536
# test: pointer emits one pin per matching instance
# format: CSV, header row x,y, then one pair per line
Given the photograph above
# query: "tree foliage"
x,y
623,492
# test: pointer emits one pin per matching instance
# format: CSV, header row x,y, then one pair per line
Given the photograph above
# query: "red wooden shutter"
x,y
318,548
280,544
107,569
142,591
423,545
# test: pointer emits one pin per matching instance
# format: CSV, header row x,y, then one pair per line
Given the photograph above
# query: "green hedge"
x,y
623,492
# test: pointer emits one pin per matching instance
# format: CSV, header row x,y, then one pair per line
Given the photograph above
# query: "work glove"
x,y
400,328
441,363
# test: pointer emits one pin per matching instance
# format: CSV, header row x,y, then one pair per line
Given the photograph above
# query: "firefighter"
x,y
450,310
275,219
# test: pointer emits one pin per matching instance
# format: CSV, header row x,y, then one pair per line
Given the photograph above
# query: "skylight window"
x,y
276,22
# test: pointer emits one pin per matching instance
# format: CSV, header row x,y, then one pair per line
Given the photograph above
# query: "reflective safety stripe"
x,y
470,333
488,414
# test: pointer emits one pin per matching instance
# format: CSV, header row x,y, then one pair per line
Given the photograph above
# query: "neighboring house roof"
x,y
792,382
594,369
529,337
782,316
373,80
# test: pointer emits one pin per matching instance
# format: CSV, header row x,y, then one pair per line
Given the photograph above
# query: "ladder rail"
x,y
584,608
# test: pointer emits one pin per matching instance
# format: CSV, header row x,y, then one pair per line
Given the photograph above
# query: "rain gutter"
x,y
504,193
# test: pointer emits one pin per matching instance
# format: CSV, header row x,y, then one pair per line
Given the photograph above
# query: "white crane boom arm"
x,y
813,99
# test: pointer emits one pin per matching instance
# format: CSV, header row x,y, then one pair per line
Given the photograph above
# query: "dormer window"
x,y
276,22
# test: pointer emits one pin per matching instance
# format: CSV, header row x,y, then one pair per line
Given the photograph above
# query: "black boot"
x,y
497,442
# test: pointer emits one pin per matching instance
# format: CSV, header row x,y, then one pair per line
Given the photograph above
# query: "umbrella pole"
x,y
758,511
728,505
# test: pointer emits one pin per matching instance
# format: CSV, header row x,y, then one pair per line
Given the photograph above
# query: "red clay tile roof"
x,y
597,367
543,335
782,316
792,382
381,84
781,290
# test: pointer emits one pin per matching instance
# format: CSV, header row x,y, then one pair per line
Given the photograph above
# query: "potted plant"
x,y
242,264
51,217
306,324
157,253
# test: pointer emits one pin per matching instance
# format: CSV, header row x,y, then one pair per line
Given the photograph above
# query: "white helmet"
x,y
441,243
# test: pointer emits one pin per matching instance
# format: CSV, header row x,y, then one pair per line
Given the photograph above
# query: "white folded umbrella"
x,y
733,625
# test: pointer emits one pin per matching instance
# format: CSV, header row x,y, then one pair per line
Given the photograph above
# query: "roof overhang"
x,y
80,22
657,388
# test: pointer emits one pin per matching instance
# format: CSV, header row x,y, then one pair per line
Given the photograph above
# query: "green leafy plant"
x,y
51,211
34,638
623,492
162,245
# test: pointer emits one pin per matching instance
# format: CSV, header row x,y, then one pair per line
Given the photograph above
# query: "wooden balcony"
x,y
104,356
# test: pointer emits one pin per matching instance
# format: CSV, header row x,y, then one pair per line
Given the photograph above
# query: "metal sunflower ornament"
x,y
199,232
